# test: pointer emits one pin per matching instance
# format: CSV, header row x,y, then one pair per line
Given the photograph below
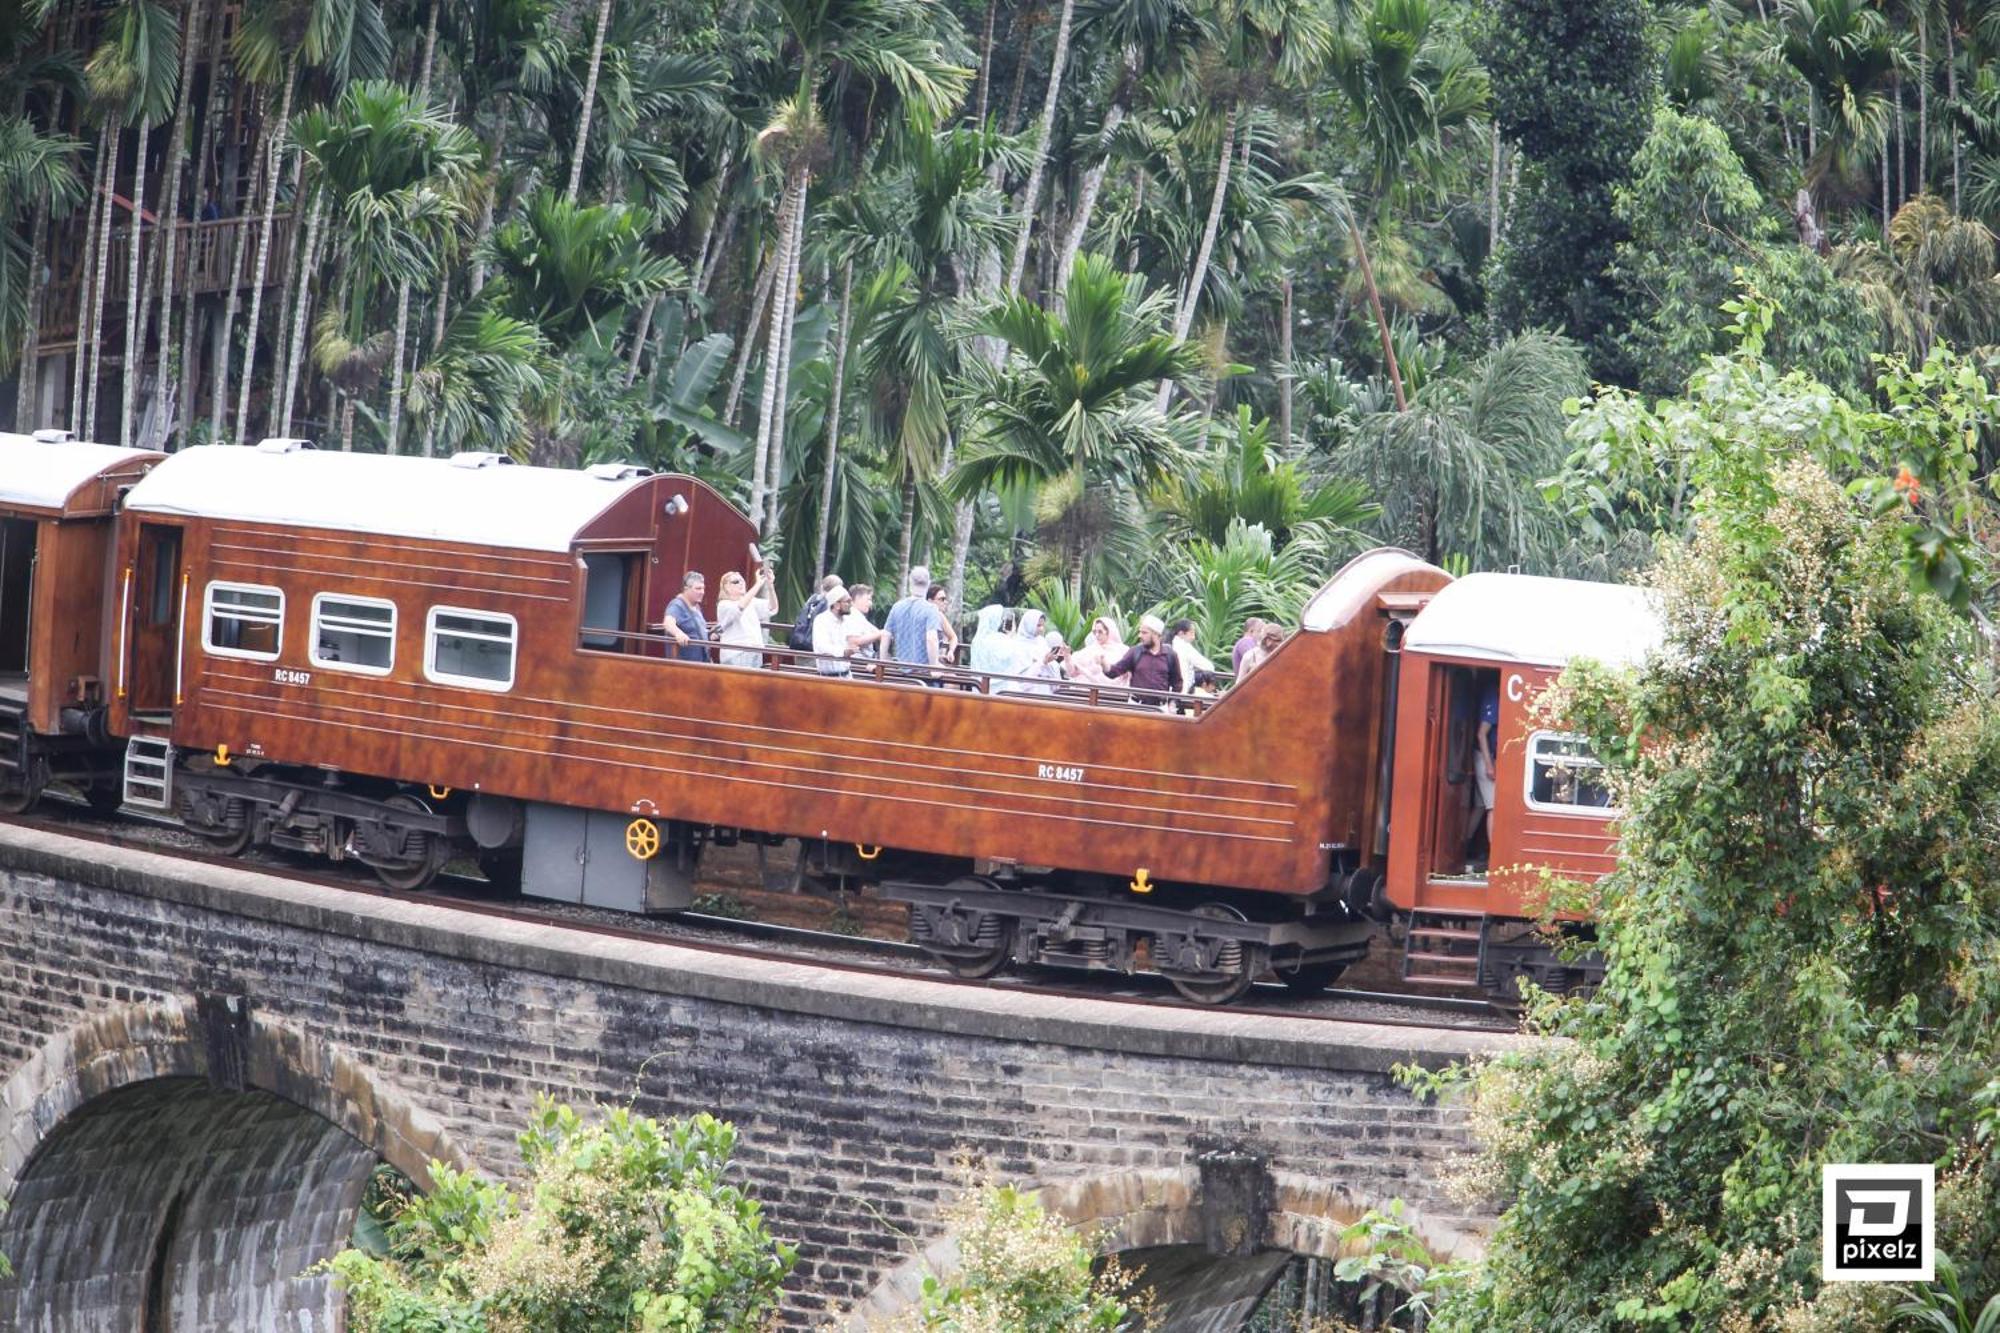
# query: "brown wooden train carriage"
x,y
1469,898
57,497
1036,828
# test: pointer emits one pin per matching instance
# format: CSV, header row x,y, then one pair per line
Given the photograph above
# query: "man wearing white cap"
x,y
1150,663
838,634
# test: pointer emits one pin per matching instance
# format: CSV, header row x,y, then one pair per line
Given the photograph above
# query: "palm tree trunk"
x,y
1285,376
103,276
430,55
1031,197
486,208
347,423
711,256
1198,276
1023,20
218,388
759,299
833,415
1093,182
774,344
26,411
1381,319
1902,156
909,532
589,99
708,230
985,64
1951,97
437,342
1923,95
128,405
208,134
1885,181
166,248
264,229
93,239
301,312
774,473
396,366
1493,197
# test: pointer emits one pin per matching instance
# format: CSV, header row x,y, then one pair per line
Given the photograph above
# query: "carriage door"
x,y
17,588
156,619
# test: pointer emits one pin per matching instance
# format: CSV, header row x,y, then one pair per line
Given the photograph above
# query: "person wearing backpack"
x,y
800,638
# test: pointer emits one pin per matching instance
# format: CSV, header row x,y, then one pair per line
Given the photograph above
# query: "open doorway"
x,y
156,608
17,586
613,583
1461,841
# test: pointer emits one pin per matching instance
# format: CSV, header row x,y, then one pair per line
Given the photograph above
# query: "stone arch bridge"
x,y
203,1064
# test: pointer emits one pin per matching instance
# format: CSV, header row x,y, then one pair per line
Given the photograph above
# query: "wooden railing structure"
x,y
205,254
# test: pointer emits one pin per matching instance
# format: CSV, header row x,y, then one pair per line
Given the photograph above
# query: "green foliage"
x,y
624,1223
1021,1270
1798,935
1694,222
1573,81
1391,1255
1944,1307
1244,478
1638,465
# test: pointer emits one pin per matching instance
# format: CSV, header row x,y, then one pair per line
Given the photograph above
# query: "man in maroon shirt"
x,y
1150,663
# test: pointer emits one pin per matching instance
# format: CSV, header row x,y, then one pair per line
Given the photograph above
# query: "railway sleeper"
x,y
1211,953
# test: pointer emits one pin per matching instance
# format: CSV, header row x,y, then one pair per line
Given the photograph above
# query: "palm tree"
x,y
1459,472
478,386
37,171
1931,281
393,176
1069,399
1031,194
134,73
1845,52
1246,479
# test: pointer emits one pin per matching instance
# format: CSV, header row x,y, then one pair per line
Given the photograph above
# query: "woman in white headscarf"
x,y
1101,647
989,645
1024,653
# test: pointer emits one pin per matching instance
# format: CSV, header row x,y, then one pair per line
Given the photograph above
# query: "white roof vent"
x,y
475,459
54,435
274,445
617,471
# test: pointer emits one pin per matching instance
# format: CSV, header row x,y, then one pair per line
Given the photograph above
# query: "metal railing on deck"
x,y
904,675
206,254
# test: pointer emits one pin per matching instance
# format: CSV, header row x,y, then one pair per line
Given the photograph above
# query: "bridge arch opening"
x,y
178,1166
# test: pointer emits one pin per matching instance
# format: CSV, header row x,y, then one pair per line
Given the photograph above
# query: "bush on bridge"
x,y
624,1223
1801,936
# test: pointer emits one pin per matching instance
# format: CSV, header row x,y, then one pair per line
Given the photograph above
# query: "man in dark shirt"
x,y
1151,664
684,623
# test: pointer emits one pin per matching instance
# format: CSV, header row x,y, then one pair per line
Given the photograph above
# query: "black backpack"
x,y
801,637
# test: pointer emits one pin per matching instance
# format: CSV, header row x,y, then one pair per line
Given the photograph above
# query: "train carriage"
x,y
1470,886
388,658
57,498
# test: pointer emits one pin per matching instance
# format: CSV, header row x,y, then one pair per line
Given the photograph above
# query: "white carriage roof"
x,y
1520,618
527,508
37,474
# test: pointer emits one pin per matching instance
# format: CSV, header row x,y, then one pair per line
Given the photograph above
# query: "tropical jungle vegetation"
x,y
1027,290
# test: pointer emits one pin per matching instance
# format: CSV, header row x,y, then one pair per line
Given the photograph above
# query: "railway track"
x,y
730,935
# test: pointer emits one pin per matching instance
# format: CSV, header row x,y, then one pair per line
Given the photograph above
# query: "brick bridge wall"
x,y
422,1031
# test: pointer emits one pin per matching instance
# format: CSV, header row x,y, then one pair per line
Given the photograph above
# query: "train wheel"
x,y
430,851
973,945
1235,967
1311,978
16,797
225,841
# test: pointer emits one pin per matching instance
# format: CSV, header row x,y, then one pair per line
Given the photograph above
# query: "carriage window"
x,y
473,648
244,620
1564,775
354,633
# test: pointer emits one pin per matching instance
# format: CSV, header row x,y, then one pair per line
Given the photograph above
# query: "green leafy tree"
x,y
624,1223
1573,83
1694,221
1808,769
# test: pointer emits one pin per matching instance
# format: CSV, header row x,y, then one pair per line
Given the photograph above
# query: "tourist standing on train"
x,y
1150,663
829,633
948,633
1101,647
916,626
1253,632
1194,665
740,613
684,623
863,639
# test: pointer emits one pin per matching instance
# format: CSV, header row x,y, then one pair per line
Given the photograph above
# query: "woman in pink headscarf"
x,y
1101,647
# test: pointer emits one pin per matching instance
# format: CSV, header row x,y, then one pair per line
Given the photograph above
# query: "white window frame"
x,y
208,620
436,677
352,599
1551,807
